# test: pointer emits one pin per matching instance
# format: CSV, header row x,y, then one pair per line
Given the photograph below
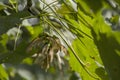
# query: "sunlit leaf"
x,y
108,44
94,50
2,6
28,61
13,1
3,73
114,19
85,50
3,42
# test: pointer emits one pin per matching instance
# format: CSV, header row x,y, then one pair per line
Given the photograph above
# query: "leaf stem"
x,y
17,37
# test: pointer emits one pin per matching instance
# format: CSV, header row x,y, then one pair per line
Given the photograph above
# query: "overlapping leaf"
x,y
8,22
87,52
108,44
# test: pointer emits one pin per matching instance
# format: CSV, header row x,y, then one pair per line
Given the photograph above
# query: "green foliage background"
x,y
28,27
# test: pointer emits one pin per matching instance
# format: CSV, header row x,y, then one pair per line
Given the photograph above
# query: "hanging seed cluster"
x,y
49,51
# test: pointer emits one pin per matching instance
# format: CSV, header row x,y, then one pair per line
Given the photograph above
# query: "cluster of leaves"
x,y
41,32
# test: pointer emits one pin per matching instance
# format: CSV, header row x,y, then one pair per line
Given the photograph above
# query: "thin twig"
x,y
17,37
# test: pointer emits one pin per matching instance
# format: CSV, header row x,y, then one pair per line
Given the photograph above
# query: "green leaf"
x,y
3,42
86,50
108,44
3,73
94,5
16,56
63,9
118,1
115,19
8,22
84,8
13,1
28,61
2,6
31,32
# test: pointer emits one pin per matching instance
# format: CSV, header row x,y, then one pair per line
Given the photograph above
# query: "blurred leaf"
x,y
28,61
3,73
34,72
91,7
84,7
94,5
101,73
14,4
108,44
63,9
15,57
115,19
31,32
75,76
118,1
7,22
4,1
13,1
2,13
86,50
67,9
38,29
3,42
2,6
